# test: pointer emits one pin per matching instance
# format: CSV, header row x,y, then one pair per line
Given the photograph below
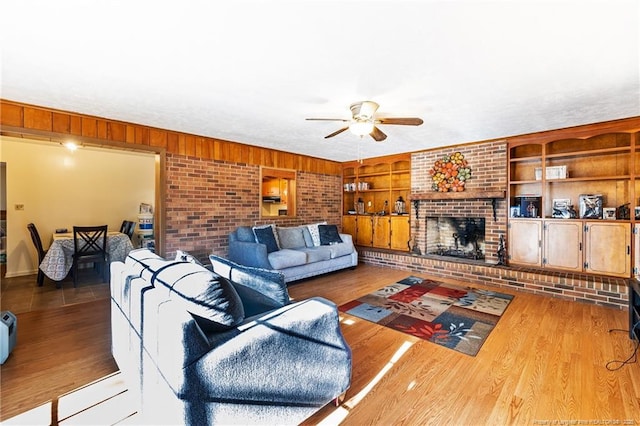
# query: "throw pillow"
x,y
205,295
315,234
329,235
308,241
266,235
269,283
290,238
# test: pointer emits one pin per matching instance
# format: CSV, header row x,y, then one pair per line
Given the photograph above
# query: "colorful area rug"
x,y
458,318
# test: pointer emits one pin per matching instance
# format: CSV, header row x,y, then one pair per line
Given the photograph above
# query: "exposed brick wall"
x,y
488,173
208,199
488,163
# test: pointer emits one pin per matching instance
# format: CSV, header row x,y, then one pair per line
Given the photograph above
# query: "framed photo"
x,y
591,206
562,208
145,208
636,212
515,211
609,213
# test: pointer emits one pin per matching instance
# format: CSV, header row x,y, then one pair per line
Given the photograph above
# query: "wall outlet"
x,y
19,206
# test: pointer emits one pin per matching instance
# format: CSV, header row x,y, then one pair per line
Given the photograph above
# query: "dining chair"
x,y
128,227
35,237
90,246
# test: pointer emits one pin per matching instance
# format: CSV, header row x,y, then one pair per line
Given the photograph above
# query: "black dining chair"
x,y
90,246
128,227
35,237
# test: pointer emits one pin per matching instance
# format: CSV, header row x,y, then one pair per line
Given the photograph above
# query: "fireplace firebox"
x,y
460,237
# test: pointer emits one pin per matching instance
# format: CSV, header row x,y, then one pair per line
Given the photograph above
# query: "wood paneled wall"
x,y
17,119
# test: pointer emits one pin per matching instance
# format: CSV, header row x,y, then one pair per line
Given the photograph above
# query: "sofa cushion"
x,y
290,238
329,235
204,294
317,254
287,258
266,235
342,249
315,233
270,283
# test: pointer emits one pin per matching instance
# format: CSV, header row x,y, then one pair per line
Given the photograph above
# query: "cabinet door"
x,y
381,232
349,226
563,245
400,233
524,244
364,231
608,248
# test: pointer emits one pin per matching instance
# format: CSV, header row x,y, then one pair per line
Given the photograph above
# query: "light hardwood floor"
x,y
544,363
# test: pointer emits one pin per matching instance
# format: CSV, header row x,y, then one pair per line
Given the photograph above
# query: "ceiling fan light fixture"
x,y
361,127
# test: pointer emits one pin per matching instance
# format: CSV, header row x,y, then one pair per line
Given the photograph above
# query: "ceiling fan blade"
x,y
327,119
377,134
337,132
405,121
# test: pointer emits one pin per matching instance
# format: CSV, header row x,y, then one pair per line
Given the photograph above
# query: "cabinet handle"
x,y
628,250
580,246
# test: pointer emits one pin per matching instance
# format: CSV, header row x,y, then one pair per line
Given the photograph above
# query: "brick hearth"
x,y
598,290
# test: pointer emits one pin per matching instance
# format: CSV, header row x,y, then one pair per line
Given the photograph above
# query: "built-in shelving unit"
x,y
600,160
370,191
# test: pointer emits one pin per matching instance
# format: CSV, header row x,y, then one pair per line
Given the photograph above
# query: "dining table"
x,y
59,258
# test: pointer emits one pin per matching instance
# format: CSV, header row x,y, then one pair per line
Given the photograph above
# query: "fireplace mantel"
x,y
458,195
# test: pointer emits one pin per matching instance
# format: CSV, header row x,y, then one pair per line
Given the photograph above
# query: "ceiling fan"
x,y
364,122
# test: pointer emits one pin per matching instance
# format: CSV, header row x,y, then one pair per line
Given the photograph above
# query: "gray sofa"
x,y
297,252
196,348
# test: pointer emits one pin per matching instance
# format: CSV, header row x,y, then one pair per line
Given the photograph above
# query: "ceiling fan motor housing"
x,y
364,111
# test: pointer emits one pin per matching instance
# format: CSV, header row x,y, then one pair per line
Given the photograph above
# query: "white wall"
x,y
60,189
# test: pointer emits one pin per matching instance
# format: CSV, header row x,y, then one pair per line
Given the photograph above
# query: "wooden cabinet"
x,y
381,237
525,247
563,247
563,166
599,247
400,233
607,248
364,231
376,184
349,226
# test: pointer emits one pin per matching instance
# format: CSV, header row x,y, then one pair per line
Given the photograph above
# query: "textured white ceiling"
x,y
252,71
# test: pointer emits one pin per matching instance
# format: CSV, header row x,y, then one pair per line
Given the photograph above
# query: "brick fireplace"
x,y
460,237
484,198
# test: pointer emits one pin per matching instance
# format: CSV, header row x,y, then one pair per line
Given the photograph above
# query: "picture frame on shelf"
x,y
636,212
591,206
562,208
609,213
